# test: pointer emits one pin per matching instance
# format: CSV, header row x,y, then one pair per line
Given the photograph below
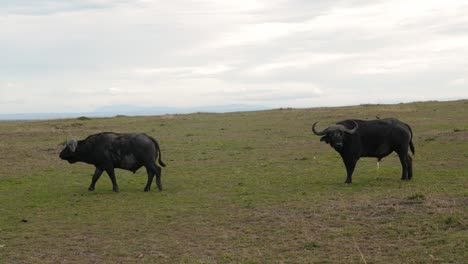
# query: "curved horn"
x,y
351,131
72,144
318,133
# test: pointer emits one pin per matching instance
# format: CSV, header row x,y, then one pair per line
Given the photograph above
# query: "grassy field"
x,y
249,187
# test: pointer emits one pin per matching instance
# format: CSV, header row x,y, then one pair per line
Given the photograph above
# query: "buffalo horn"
x,y
318,133
351,131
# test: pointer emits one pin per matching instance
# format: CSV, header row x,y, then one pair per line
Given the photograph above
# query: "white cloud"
x,y
257,34
459,81
299,61
183,71
374,19
211,52
441,53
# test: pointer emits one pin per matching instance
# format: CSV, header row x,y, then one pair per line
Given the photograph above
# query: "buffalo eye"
x,y
337,135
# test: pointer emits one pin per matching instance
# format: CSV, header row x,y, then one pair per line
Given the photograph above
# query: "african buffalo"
x,y
108,150
354,139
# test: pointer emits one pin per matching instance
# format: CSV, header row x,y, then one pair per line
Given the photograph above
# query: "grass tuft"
x,y
430,139
311,245
417,197
454,222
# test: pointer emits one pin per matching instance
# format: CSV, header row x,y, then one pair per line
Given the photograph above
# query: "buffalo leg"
x,y
350,165
150,173
111,173
158,177
404,165
97,174
410,167
378,168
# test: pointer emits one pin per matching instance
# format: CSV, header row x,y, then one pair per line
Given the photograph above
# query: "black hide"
x,y
373,138
107,151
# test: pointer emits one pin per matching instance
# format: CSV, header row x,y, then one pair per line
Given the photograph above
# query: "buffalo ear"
x,y
325,138
72,144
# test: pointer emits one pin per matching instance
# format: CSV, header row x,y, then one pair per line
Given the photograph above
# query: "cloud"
x,y
372,19
257,34
208,52
299,61
47,7
273,93
441,53
459,81
183,71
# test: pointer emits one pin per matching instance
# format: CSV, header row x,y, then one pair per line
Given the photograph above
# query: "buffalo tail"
x,y
411,139
164,165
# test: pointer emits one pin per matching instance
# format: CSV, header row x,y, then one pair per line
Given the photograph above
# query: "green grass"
x,y
249,187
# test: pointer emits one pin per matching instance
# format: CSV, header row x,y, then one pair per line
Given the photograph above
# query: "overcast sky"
x,y
78,55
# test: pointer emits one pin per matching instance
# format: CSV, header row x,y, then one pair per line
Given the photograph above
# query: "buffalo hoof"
x,y
147,189
91,189
115,189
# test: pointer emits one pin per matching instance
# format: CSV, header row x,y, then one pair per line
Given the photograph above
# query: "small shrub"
x,y
310,245
429,139
417,197
248,204
458,130
83,118
452,221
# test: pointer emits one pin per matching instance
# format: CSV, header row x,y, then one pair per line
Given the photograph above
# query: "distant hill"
x,y
131,110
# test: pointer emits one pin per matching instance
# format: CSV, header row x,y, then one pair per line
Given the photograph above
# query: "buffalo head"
x,y
334,135
69,152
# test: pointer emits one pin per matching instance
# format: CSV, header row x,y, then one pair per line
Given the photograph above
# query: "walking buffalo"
x,y
108,150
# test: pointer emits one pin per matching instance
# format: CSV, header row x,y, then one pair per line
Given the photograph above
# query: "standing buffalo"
x,y
354,139
108,150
